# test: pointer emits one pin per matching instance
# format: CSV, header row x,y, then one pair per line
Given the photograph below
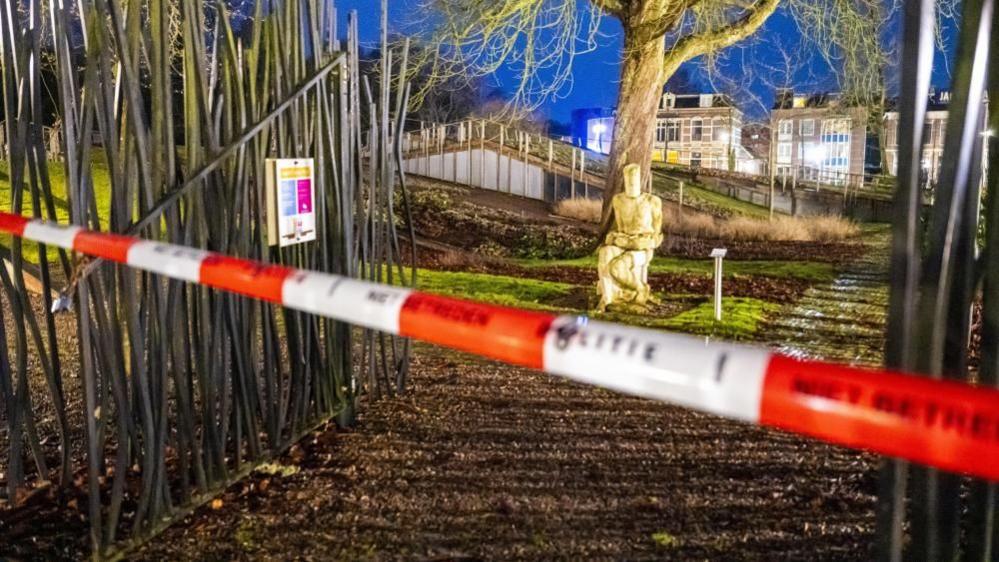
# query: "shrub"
x,y
689,223
580,208
696,224
552,243
781,229
427,200
832,229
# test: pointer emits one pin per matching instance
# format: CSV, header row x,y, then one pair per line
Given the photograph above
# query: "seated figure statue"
x,y
623,260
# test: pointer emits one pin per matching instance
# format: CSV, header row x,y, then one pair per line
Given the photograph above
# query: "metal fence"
x,y
153,393
941,266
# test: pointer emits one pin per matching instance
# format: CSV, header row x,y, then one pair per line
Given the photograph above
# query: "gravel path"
x,y
844,321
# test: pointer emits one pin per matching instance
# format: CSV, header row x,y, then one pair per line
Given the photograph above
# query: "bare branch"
x,y
702,43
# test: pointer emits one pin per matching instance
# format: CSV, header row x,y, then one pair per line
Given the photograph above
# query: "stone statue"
x,y
623,260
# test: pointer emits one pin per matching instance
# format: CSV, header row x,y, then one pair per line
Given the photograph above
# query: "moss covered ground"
x,y
532,294
741,319
807,270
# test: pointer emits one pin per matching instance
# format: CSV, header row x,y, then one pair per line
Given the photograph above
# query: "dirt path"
x,y
484,461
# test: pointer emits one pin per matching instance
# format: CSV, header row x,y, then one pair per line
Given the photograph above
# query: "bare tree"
x,y
540,38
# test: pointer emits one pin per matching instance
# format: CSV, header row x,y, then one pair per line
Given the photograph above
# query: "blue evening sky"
x,y
596,74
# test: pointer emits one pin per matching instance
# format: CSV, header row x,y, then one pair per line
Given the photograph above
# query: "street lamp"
x,y
599,129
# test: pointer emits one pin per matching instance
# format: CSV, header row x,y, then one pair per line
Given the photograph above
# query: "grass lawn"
x,y
811,271
740,319
57,177
693,193
496,289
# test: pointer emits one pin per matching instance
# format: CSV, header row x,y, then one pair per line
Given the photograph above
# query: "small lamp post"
x,y
599,129
718,254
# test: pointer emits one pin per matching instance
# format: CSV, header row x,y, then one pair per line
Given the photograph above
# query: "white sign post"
x,y
718,254
291,197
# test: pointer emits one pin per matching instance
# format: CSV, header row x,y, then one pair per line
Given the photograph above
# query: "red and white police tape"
x,y
949,425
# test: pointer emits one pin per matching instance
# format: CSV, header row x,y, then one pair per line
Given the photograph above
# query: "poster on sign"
x,y
291,195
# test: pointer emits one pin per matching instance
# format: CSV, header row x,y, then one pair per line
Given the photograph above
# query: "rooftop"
x,y
691,101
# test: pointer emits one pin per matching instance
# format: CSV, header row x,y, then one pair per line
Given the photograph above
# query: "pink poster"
x,y
304,196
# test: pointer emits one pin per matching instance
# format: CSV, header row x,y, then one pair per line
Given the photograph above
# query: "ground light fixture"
x,y
718,254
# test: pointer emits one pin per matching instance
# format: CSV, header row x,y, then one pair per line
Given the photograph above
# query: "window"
x,y
836,130
673,130
807,127
934,132
719,132
891,132
836,146
784,152
695,160
784,128
661,131
697,130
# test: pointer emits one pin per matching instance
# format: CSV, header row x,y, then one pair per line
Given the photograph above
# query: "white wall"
x,y
511,176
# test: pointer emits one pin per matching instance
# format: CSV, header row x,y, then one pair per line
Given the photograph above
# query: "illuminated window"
x,y
718,131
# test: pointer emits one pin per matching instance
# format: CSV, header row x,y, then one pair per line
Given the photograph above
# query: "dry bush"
x,y
701,225
800,229
690,223
832,229
780,229
580,208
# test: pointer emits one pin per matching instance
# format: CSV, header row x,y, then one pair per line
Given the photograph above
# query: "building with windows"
x,y
702,130
817,137
756,139
934,129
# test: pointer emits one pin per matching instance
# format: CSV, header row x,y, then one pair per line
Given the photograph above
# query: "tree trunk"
x,y
642,78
